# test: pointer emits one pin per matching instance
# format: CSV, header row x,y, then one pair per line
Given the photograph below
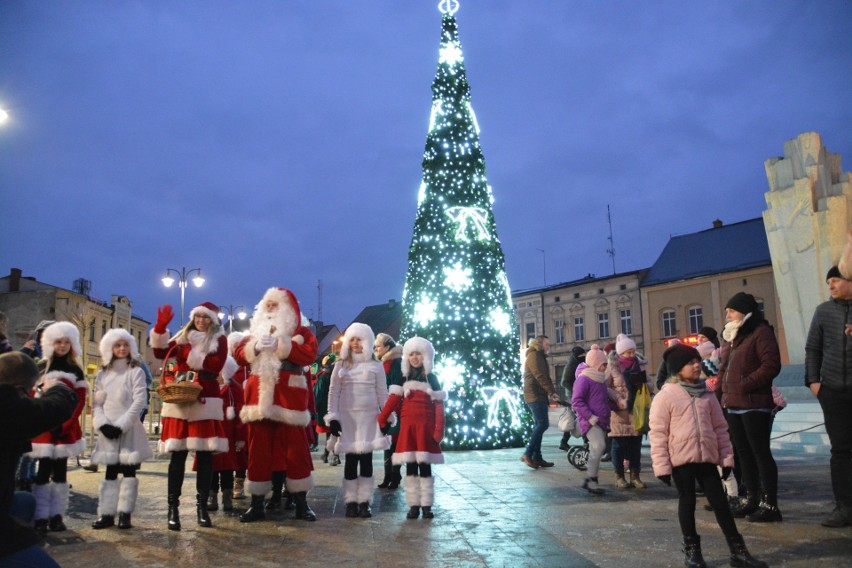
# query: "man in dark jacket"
x,y
538,393
828,373
21,419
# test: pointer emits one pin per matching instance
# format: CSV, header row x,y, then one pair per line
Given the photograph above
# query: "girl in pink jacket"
x,y
689,438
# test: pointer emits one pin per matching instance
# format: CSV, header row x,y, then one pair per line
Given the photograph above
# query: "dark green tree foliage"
x,y
456,291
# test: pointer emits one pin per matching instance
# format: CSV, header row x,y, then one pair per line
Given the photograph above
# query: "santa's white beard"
x,y
281,321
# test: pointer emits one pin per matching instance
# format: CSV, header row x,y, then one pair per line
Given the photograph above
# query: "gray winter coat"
x,y
828,351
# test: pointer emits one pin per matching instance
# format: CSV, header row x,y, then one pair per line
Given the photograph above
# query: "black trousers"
x,y
837,412
204,473
750,434
354,462
685,477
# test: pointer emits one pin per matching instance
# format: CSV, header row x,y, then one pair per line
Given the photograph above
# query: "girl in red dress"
x,y
419,403
200,349
60,347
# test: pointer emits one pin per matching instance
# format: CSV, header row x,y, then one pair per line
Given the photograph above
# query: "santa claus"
x,y
276,412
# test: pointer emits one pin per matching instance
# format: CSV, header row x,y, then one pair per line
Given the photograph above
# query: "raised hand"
x,y
165,314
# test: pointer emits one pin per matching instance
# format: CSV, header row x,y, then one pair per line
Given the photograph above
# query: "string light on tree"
x,y
456,291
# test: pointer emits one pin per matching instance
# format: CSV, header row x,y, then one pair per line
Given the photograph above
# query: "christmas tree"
x,y
456,291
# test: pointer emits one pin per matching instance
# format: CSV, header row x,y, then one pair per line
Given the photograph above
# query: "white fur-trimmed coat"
x,y
356,395
120,396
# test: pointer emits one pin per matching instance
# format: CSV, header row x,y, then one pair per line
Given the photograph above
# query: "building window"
x,y
556,300
600,290
92,331
103,328
626,322
696,319
576,295
623,287
559,327
579,329
530,331
603,325
669,327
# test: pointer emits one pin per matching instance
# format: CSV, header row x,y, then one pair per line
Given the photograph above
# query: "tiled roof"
x,y
383,318
727,248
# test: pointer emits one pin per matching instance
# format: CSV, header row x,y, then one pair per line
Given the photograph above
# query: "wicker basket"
x,y
185,392
179,393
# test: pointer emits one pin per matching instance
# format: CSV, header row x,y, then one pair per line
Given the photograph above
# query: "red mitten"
x,y
164,316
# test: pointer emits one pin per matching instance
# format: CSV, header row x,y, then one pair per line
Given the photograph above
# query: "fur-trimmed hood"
x,y
394,352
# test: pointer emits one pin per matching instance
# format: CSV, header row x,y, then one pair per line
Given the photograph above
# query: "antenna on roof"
x,y
611,250
319,300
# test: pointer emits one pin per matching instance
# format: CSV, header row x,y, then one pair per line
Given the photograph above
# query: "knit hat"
x,y
206,309
833,272
678,356
109,340
609,347
710,367
743,303
705,349
623,343
595,357
710,334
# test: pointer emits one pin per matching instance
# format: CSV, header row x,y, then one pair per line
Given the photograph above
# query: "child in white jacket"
x,y
120,396
689,438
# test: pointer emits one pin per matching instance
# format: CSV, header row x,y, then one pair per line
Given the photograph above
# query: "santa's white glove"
x,y
266,343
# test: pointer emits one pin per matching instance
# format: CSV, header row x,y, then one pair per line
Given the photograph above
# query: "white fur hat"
x,y
623,343
422,346
57,331
362,331
112,337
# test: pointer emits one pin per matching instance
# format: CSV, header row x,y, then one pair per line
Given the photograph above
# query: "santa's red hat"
x,y
288,306
207,309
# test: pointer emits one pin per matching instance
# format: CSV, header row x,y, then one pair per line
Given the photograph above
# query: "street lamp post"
x,y
229,311
182,274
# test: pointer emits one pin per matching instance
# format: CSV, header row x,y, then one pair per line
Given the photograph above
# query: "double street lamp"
x,y
229,311
182,274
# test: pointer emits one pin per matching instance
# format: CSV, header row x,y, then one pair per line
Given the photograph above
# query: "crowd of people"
x,y
257,412
708,414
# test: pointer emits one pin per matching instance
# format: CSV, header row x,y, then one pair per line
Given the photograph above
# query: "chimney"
x,y
391,304
717,223
15,280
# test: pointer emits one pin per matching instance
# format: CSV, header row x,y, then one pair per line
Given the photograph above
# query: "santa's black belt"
x,y
190,376
290,367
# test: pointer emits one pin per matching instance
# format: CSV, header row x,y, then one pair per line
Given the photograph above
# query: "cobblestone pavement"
x,y
491,510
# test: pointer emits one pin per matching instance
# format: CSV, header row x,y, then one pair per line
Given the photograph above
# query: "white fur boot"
x,y
42,499
108,499
59,494
127,496
427,496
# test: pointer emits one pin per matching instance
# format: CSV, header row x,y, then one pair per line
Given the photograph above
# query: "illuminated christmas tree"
x,y
456,291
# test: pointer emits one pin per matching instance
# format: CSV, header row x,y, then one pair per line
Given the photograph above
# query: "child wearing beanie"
x,y
625,374
689,439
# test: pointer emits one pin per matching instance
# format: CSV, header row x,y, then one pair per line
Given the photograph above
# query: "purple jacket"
x,y
591,398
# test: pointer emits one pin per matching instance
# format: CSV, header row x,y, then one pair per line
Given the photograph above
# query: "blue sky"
x,y
279,143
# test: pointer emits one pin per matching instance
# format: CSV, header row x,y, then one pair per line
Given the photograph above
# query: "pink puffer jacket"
x,y
687,429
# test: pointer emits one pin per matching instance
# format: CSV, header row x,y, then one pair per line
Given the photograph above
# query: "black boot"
x,y
289,501
213,501
364,510
388,470
692,550
174,516
740,555
40,526
427,512
396,477
104,521
413,512
352,510
745,506
56,525
227,500
201,507
765,513
274,503
303,512
255,511
124,521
